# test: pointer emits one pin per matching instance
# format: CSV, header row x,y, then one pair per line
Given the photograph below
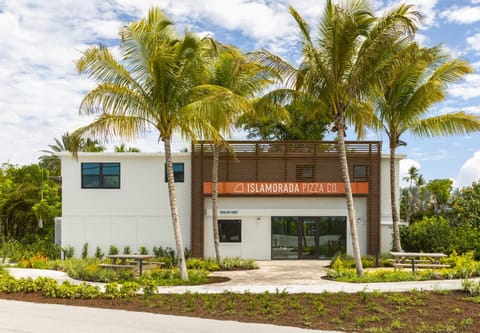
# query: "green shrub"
x,y
129,289
196,263
471,287
143,250
68,252
435,234
113,250
99,253
126,250
238,263
85,251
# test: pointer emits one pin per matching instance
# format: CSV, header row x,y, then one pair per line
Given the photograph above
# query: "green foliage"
x,y
27,196
68,252
99,253
229,264
466,206
143,250
126,250
85,251
471,286
32,246
435,234
209,264
112,250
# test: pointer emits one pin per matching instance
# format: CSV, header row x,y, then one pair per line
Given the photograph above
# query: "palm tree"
x,y
339,68
51,162
409,89
156,85
122,148
245,78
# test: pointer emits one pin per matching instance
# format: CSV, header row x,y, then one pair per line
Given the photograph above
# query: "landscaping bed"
x,y
439,311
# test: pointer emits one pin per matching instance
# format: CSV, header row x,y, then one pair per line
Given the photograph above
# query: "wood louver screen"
x,y
305,173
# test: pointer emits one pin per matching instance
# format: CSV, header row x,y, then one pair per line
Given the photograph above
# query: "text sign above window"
x,y
285,188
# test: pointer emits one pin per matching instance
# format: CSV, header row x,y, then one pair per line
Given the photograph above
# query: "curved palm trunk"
x,y
397,246
174,211
216,237
348,193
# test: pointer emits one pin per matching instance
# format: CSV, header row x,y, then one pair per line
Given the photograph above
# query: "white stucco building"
x,y
286,206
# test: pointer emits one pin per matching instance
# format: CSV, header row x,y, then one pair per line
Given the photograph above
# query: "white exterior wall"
x,y
256,214
386,228
137,214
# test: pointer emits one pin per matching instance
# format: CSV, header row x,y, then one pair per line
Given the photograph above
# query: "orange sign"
x,y
284,188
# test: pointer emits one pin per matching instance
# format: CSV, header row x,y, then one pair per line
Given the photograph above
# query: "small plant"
x,y
472,287
126,250
143,250
85,251
99,253
112,250
68,252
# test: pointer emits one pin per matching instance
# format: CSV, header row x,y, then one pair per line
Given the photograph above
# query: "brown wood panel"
x,y
265,161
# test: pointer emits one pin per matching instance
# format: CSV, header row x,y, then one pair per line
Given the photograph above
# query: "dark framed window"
x,y
100,175
361,171
230,231
305,173
178,172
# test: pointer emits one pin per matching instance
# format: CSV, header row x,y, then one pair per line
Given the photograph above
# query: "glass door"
x,y
308,237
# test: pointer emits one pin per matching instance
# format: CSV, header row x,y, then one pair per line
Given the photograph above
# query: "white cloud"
x,y
462,15
469,172
467,89
474,42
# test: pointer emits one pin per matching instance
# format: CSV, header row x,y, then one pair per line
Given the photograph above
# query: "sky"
x,y
40,89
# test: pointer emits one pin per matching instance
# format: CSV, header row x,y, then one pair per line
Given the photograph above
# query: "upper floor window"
x,y
178,172
305,173
100,175
361,172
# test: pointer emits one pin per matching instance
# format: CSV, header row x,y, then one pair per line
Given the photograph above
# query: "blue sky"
x,y
40,90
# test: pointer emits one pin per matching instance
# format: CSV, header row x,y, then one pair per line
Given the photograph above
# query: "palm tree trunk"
x,y
216,237
348,193
397,246
174,211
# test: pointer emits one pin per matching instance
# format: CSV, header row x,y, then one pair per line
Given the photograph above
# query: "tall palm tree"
x,y
418,80
413,177
340,66
245,78
155,85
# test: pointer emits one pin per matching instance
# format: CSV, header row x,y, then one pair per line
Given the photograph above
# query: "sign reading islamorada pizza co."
x,y
284,188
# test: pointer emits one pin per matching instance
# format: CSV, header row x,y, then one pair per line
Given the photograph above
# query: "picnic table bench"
x,y
418,260
136,262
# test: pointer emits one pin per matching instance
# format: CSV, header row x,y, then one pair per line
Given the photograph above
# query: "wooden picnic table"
x,y
126,261
418,260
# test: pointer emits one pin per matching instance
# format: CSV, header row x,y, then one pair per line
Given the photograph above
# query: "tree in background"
x,y
27,195
51,161
304,123
124,149
466,206
417,80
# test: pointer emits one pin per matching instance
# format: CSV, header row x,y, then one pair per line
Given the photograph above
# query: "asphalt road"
x,y
23,317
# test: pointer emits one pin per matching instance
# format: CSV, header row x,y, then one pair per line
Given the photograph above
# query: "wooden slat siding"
x,y
277,161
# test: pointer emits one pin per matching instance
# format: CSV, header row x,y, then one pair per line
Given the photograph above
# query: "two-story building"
x,y
277,200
